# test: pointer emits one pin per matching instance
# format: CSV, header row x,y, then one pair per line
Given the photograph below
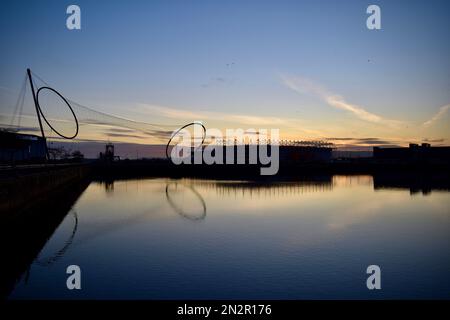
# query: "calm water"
x,y
179,239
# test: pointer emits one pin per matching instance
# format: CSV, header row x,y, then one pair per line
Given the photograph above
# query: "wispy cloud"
x,y
187,115
305,86
217,81
123,135
363,141
442,111
434,140
9,90
292,128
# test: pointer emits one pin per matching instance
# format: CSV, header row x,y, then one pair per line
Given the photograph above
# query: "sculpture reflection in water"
x,y
24,235
45,262
60,253
170,199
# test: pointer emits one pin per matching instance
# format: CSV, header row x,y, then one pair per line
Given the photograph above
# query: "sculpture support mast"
x,y
37,111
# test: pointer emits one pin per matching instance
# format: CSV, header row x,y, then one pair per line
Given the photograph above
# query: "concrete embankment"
x,y
21,187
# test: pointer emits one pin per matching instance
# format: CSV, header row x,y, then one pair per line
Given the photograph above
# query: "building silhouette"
x,y
415,153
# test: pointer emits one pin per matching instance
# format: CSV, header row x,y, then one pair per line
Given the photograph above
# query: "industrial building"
x,y
288,154
415,153
16,147
305,154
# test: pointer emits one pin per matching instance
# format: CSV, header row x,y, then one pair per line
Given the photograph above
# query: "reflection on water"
x,y
60,253
174,188
178,239
24,233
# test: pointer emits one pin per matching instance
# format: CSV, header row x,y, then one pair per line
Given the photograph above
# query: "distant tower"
x,y
109,151
108,155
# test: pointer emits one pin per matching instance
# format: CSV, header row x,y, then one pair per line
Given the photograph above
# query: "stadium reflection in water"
x,y
179,239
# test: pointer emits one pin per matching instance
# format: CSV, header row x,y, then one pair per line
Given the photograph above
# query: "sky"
x,y
309,68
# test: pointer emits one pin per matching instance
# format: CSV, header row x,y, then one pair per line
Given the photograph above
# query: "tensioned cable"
x,y
157,130
45,119
19,104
